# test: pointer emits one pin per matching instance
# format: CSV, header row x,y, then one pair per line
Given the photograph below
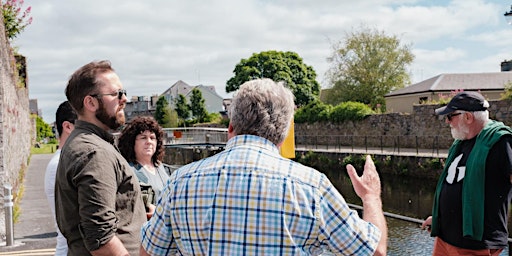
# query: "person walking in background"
x,y
471,201
141,143
64,121
100,210
249,200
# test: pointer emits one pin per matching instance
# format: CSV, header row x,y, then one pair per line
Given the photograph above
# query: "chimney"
x,y
506,65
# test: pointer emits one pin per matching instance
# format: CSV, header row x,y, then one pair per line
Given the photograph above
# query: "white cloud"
x,y
152,44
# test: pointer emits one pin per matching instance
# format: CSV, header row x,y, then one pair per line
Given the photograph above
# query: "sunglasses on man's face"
x,y
451,115
119,94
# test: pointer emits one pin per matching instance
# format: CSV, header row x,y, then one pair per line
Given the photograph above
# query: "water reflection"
x,y
406,238
404,196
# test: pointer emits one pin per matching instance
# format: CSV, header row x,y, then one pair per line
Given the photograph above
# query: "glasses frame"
x,y
119,94
451,115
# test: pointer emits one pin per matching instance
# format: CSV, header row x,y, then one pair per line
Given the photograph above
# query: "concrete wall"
x,y
15,124
420,129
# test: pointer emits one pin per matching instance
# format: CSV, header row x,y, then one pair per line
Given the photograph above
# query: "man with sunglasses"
x,y
97,195
471,201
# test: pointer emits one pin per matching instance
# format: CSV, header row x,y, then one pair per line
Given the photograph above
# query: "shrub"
x,y
507,95
315,111
350,111
15,20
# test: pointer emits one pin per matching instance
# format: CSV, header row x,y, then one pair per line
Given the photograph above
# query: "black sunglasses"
x,y
119,94
451,115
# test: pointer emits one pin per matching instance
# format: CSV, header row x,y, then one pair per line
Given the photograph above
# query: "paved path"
x,y
34,234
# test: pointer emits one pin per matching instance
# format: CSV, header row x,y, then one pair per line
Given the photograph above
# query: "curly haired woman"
x,y
141,143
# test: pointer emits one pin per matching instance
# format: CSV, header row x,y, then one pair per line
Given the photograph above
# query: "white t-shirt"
x,y
49,189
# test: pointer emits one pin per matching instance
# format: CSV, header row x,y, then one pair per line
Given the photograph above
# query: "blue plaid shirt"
x,y
248,200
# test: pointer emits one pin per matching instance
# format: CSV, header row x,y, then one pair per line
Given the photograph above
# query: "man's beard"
x,y
113,122
460,132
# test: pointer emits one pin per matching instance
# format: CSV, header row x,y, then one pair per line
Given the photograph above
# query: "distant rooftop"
x,y
452,82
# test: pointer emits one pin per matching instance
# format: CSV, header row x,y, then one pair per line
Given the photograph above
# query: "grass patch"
x,y
44,149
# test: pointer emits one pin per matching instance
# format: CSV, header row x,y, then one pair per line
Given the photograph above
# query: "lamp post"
x,y
508,16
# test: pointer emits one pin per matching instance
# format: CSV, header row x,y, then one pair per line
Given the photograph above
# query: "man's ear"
x,y
67,127
91,103
231,132
468,117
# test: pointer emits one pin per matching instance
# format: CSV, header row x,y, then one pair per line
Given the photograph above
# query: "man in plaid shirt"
x,y
249,200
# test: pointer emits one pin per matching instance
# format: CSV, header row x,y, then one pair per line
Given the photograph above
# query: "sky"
x,y
153,44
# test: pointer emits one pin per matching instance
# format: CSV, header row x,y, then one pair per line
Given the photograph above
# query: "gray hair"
x,y
481,116
263,108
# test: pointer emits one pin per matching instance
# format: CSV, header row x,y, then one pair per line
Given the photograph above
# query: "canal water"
x,y
403,196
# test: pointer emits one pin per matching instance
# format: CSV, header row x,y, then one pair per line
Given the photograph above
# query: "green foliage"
x,y
224,122
507,95
320,112
174,119
434,164
278,66
20,69
197,106
317,161
15,20
163,113
350,111
315,111
213,118
44,148
43,130
355,160
367,65
182,108
18,193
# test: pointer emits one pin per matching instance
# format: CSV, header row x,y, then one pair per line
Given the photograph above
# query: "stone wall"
x,y
16,127
186,155
421,129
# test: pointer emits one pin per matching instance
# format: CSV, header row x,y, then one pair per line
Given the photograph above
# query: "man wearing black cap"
x,y
471,201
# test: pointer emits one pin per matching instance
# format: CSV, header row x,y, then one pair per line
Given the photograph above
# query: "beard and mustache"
x,y
113,122
460,132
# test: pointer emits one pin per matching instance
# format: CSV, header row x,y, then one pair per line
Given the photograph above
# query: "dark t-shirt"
x,y
498,192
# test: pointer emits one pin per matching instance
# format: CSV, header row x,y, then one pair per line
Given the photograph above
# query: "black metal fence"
x,y
432,144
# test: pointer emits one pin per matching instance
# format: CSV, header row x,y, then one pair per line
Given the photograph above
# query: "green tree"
x,y
367,65
174,119
197,106
43,130
163,113
15,20
278,66
181,107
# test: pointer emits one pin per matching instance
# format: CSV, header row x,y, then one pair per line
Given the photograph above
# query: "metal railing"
x,y
414,145
384,144
195,136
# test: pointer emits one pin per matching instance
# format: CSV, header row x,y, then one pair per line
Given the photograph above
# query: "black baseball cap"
x,y
467,101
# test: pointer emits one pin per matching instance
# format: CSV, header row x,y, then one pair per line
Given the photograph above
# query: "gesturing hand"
x,y
366,186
